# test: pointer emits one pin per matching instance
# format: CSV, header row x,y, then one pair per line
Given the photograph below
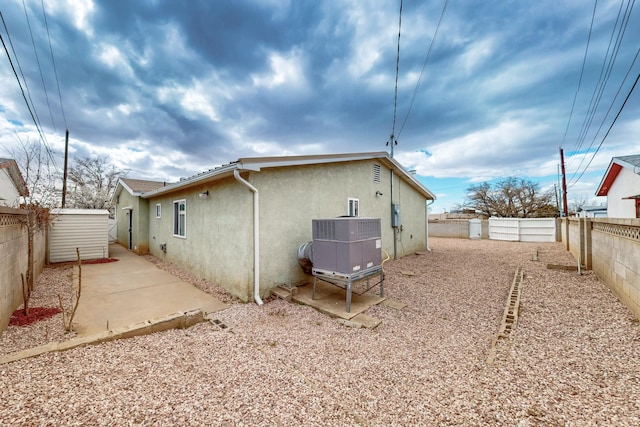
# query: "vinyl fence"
x,y
523,229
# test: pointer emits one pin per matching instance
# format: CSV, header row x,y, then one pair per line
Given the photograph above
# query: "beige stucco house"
x,y
241,224
621,185
132,213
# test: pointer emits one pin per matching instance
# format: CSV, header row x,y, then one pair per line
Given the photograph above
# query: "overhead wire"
x,y
424,65
584,61
35,51
53,62
605,73
610,127
392,139
30,106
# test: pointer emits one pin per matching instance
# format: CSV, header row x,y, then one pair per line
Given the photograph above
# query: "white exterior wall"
x,y
626,184
86,229
9,195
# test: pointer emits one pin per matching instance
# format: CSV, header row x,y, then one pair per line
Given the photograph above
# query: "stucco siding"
x,y
219,234
291,197
626,184
219,228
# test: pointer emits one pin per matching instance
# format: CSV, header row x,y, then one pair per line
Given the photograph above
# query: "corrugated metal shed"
x,y
86,229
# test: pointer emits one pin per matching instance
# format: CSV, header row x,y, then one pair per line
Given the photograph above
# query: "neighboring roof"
x,y
136,187
593,208
256,164
15,175
615,166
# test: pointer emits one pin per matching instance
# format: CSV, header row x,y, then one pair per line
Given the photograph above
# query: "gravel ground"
x,y
573,359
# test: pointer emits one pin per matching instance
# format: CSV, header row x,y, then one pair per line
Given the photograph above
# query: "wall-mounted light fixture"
x,y
378,193
204,194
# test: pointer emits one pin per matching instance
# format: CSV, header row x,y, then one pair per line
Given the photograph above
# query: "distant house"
x,y
621,185
240,224
592,212
132,213
12,184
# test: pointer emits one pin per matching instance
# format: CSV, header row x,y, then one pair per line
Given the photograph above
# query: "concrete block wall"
x,y
611,247
13,260
455,228
616,258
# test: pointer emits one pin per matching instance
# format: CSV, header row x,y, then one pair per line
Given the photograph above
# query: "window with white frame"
x,y
180,218
158,210
353,208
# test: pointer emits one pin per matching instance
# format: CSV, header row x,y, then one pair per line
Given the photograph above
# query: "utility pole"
x,y
564,185
64,176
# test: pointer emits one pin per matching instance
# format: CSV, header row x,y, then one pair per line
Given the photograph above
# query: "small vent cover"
x,y
376,173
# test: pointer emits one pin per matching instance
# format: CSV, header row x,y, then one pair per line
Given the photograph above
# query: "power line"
x,y
55,70
392,139
15,73
610,127
605,74
424,65
35,51
584,60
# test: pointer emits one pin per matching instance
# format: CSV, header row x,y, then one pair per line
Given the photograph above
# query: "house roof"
x,y
615,166
256,164
16,177
136,187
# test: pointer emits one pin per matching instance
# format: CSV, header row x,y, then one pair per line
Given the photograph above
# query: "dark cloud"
x,y
209,81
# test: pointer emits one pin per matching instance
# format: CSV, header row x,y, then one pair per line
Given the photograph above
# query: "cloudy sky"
x,y
171,88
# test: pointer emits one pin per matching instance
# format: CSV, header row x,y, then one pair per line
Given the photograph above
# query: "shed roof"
x,y
256,164
16,177
615,166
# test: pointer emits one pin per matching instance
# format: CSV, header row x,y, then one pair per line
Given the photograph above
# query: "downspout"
x,y
395,229
256,236
427,227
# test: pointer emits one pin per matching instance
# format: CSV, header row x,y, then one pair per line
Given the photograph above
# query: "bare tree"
x,y
37,170
92,180
511,197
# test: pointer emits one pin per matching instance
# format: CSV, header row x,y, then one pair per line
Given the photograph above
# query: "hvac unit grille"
x,y
346,229
346,246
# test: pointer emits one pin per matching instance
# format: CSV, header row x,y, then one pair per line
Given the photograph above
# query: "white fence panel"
x,y
504,229
113,230
523,229
538,230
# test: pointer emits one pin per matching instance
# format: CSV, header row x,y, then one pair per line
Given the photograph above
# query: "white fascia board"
x,y
189,182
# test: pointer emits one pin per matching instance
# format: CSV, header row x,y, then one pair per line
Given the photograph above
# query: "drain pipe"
x,y
256,236
427,225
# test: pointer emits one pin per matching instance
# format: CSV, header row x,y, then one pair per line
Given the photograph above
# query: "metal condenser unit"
x,y
346,246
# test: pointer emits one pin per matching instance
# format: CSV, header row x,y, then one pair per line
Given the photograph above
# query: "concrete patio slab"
x,y
132,290
331,300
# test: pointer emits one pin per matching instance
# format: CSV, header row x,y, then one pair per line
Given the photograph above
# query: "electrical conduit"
x,y
256,236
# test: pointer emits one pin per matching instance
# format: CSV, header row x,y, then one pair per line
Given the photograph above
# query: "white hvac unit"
x,y
346,246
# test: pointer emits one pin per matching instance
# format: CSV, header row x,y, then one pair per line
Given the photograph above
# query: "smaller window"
x,y
353,208
180,218
158,210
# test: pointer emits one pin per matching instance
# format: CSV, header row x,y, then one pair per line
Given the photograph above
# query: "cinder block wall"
x,y
13,260
455,228
615,246
611,247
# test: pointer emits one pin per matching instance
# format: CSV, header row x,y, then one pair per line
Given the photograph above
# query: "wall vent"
x,y
376,173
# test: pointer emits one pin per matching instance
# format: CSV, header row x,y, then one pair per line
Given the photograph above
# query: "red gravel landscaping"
x,y
18,317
